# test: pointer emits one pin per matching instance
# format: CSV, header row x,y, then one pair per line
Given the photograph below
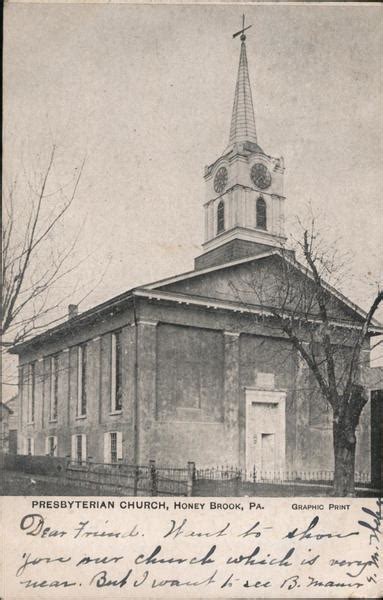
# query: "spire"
x,y
242,121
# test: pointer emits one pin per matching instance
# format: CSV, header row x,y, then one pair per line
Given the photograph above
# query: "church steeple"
x,y
242,127
244,206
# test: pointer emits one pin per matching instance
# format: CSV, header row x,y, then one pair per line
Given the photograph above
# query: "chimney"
x,y
72,311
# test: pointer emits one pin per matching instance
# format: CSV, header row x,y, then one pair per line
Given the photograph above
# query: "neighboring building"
x,y
5,413
375,385
192,367
13,423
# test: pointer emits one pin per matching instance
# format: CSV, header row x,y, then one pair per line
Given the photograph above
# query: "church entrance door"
x,y
265,432
267,451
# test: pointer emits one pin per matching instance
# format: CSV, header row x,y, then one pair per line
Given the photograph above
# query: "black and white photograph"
x,y
192,250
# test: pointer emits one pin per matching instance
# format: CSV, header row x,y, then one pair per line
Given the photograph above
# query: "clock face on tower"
x,y
260,176
220,180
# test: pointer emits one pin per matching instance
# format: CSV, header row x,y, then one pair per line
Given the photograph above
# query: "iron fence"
x,y
217,481
130,478
219,473
153,480
149,480
321,477
173,481
231,472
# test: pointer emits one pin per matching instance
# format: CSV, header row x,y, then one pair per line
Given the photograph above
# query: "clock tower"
x,y
244,202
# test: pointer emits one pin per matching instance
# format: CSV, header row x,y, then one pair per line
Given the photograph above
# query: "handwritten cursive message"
x,y
170,548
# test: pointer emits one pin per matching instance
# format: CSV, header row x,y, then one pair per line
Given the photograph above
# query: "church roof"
x,y
156,291
242,127
196,273
275,252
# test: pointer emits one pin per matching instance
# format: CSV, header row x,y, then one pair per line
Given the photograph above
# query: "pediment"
x,y
261,281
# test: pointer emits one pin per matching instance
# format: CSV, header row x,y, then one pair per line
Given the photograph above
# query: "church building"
x,y
191,368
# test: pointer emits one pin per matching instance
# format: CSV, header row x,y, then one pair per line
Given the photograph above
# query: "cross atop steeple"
x,y
242,127
242,31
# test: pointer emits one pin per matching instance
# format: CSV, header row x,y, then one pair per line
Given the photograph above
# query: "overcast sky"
x,y
146,92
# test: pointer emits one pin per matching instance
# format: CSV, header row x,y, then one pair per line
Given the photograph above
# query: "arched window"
x,y
221,217
261,214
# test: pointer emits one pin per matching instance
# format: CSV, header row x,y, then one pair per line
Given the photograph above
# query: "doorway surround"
x,y
265,422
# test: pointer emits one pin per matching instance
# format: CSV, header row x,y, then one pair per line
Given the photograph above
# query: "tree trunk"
x,y
344,455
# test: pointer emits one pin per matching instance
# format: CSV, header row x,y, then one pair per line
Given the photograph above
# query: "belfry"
x,y
244,203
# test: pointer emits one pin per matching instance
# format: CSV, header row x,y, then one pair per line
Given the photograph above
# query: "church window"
x,y
30,446
221,217
54,367
112,447
79,448
81,380
31,393
116,372
261,213
51,445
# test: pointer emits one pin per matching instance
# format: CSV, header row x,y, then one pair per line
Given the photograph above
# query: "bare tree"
x,y
35,259
331,337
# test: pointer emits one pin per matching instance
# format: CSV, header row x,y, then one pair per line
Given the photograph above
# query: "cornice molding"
x,y
242,233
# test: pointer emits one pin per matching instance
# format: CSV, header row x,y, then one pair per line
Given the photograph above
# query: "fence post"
x,y
191,477
153,478
135,479
237,482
